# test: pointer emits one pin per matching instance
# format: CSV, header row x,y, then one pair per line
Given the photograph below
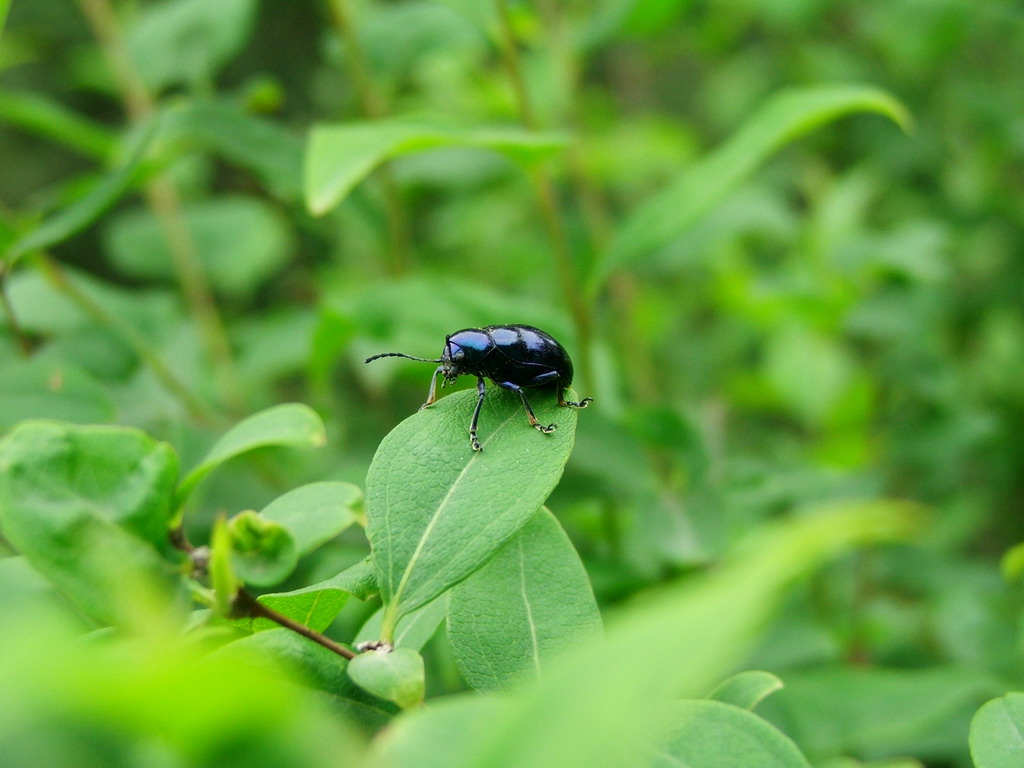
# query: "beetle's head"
x,y
463,352
453,361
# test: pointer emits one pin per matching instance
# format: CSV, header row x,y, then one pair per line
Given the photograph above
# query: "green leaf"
x,y
43,308
272,347
92,561
835,711
651,16
437,509
38,114
39,388
359,580
316,513
5,6
392,675
111,701
118,474
311,606
635,18
712,734
318,604
1012,564
22,587
241,241
187,41
997,733
413,630
451,731
263,551
81,213
331,336
269,150
849,762
88,507
338,157
290,424
530,601
318,668
809,371
785,117
746,689
601,704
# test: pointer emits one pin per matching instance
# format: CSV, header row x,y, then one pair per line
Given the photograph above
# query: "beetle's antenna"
x,y
399,354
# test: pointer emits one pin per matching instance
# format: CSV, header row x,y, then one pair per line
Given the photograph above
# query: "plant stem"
x,y
248,605
387,625
597,218
107,30
163,200
510,57
641,375
369,100
858,651
547,197
622,287
372,105
6,545
24,345
59,280
244,604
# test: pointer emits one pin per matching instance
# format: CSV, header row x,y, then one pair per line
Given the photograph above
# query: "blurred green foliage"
x,y
780,238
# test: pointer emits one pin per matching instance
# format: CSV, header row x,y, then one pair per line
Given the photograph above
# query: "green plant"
x,y
791,302
456,533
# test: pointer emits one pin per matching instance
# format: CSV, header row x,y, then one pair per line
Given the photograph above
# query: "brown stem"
x,y
179,539
163,200
6,544
372,105
107,30
24,345
598,223
597,219
641,375
510,58
567,276
355,58
56,276
247,605
548,199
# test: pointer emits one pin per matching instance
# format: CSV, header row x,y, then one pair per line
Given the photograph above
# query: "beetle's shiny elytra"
x,y
515,357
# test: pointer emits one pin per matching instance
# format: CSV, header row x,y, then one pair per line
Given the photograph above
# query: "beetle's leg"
x,y
432,394
549,377
569,403
526,404
482,389
543,379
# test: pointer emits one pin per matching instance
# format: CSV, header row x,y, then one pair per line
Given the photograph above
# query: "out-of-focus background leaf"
x,y
777,295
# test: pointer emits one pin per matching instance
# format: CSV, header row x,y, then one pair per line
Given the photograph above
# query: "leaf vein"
x,y
421,545
526,603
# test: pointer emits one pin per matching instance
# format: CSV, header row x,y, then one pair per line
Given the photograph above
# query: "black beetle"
x,y
515,357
